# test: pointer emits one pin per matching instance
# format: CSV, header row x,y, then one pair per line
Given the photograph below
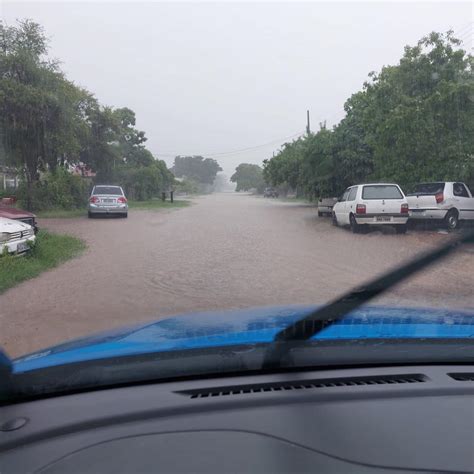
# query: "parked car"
x,y
15,236
270,193
372,204
7,210
325,206
107,199
447,202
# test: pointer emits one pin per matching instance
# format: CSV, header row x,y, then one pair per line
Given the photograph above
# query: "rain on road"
x,y
224,251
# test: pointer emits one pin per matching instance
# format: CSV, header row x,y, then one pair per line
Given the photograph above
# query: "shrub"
x,y
144,182
58,189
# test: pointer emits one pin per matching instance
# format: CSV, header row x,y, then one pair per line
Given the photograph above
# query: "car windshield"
x,y
110,190
183,184
381,192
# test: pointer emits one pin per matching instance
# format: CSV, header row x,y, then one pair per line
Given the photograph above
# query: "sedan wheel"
x,y
334,219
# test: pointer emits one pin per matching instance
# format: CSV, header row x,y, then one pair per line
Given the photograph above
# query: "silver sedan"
x,y
107,199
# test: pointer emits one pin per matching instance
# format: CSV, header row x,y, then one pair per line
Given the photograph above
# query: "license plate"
x,y
22,247
107,200
383,219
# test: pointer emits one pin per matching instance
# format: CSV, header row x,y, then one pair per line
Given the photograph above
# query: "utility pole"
x,y
308,129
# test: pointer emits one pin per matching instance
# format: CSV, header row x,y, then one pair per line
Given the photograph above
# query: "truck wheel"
x,y
452,219
401,229
354,226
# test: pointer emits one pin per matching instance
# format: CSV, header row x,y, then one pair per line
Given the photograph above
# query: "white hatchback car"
x,y
372,204
15,236
446,202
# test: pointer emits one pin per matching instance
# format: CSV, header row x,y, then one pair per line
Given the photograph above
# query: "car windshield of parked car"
x,y
189,179
110,190
381,192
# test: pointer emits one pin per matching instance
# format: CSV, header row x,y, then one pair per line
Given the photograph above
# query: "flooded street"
x,y
224,251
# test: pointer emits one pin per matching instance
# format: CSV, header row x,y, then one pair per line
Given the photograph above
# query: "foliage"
x,y
197,168
187,186
48,122
411,122
248,176
144,182
56,189
157,204
61,213
49,251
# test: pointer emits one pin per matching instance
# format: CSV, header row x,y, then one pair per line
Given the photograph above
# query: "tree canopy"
x,y
47,121
410,122
248,176
197,168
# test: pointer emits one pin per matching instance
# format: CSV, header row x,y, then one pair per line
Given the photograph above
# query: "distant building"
x,y
9,178
82,170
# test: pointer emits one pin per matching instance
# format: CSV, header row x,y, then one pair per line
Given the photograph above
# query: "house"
x,y
9,178
82,170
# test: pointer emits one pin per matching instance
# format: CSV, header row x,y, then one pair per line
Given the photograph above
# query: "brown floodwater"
x,y
224,251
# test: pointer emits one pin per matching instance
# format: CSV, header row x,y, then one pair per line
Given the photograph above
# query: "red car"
x,y
8,210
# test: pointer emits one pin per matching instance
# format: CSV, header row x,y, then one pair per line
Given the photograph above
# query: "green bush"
x,y
144,182
187,186
56,190
7,193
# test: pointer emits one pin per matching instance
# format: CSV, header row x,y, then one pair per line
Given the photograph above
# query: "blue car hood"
x,y
250,326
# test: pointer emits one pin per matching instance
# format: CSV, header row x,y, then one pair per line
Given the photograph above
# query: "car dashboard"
x,y
386,419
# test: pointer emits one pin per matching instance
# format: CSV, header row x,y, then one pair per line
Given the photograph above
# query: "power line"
x,y
235,152
466,35
461,30
465,30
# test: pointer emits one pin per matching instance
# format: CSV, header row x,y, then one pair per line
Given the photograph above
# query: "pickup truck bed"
x,y
325,206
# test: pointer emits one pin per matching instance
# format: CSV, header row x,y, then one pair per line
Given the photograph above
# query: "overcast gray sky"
x,y
206,78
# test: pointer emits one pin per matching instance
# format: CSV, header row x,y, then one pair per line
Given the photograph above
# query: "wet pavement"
x,y
225,251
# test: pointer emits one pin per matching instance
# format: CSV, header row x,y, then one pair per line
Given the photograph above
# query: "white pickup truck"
x,y
445,201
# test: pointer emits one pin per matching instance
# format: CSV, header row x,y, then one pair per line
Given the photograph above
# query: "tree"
x,y
197,168
144,182
411,122
248,176
48,122
285,168
318,175
419,117
27,102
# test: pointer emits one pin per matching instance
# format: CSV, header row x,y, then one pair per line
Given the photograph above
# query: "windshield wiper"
x,y
321,318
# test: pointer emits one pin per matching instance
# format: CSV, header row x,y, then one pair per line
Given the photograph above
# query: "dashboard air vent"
x,y
467,377
304,385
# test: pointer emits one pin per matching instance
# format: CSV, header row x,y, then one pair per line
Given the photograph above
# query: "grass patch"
x,y
61,213
49,251
153,204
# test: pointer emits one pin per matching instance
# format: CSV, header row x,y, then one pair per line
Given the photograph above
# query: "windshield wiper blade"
x,y
321,318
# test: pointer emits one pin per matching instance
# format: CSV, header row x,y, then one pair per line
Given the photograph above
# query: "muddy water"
x,y
225,251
